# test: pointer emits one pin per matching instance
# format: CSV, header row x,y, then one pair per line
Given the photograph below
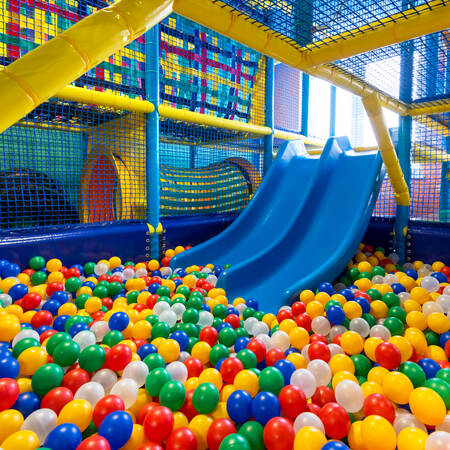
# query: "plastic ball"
x,y
264,406
427,406
106,406
439,440
127,390
305,380
349,395
278,434
23,440
411,438
239,406
182,439
218,430
66,436
378,433
378,404
309,438
116,428
234,441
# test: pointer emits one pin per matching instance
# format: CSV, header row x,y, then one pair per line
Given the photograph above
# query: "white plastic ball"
x,y
304,352
305,380
407,420
100,329
205,319
212,279
380,331
24,334
160,307
431,307
6,299
41,422
100,269
321,371
127,390
178,371
107,378
85,338
178,309
444,302
430,284
446,290
335,349
141,272
349,395
249,323
308,419
439,440
335,330
128,273
137,371
394,257
265,339
92,392
321,325
280,340
166,271
360,326
260,328
445,425
168,316
183,356
377,279
390,279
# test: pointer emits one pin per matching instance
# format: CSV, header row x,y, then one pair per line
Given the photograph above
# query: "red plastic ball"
x,y
304,321
314,408
258,348
118,357
335,420
233,320
9,391
274,355
104,277
97,316
139,307
31,301
116,278
337,339
284,314
57,398
158,424
319,350
447,348
279,434
181,439
318,338
105,406
54,287
230,368
379,405
298,308
144,411
218,430
292,401
75,378
74,272
209,335
188,407
388,355
46,334
165,261
94,443
41,318
151,300
323,395
194,367
107,302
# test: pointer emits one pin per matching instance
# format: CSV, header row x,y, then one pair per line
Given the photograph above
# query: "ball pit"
x,y
113,354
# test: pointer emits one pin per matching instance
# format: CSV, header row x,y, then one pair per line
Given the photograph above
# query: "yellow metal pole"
x,y
373,109
287,136
91,97
203,119
441,106
424,19
234,25
41,73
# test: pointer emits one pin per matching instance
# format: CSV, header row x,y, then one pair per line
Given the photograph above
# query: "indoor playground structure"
x,y
225,225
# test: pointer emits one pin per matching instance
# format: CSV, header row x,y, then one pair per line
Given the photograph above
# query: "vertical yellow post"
x,y
373,109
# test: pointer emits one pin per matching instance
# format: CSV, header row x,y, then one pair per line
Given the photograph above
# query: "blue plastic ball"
x,y
27,402
335,315
335,445
145,350
60,322
412,273
9,367
89,284
17,291
265,406
43,329
241,343
52,306
119,321
66,436
347,293
11,270
223,325
77,327
60,296
239,406
397,288
429,366
153,288
156,273
116,428
364,303
326,287
182,338
286,368
219,364
205,307
440,277
444,337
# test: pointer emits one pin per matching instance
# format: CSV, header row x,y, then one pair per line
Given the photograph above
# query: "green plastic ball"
x,y
444,374
36,262
55,340
72,284
92,358
172,395
374,294
248,312
66,353
114,288
38,277
220,311
271,379
89,268
218,351
81,300
391,299
205,398
23,344
414,372
227,336
153,361
394,325
191,315
190,329
247,357
100,291
46,378
156,379
398,312
163,291
253,432
431,337
160,329
152,319
132,297
234,441
362,365
441,387
112,338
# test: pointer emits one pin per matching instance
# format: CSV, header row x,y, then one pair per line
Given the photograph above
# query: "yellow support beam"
x,y
441,106
288,136
424,19
374,111
44,71
91,97
235,26
203,119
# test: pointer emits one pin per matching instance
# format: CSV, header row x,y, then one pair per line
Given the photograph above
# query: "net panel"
x,y
205,170
66,163
26,24
430,174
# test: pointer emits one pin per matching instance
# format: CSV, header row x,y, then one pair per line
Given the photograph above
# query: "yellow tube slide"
x,y
373,109
41,73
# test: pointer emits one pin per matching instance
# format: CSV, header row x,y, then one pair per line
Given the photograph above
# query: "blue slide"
x,y
301,227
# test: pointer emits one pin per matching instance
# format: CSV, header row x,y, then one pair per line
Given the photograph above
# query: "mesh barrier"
x,y
206,170
70,163
430,174
205,72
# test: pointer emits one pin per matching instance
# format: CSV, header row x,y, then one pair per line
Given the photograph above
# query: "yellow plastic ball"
x,y
298,360
170,253
377,374
411,438
371,387
189,281
239,301
247,380
416,319
23,279
55,277
21,440
417,340
15,310
179,420
427,406
417,264
397,387
7,284
314,309
364,266
405,347
11,421
179,249
352,343
227,390
352,310
137,438
341,362
436,353
199,425
84,290
9,327
340,298
360,257
408,282
299,338
437,266
31,359
438,322
322,297
309,438
142,329
355,438
420,295
287,325
342,375
378,309
53,265
363,284
306,296
211,376
378,433
24,385
78,412
191,383
93,305
201,351
269,318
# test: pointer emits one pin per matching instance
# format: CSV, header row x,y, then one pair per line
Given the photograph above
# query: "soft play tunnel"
x,y
112,190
